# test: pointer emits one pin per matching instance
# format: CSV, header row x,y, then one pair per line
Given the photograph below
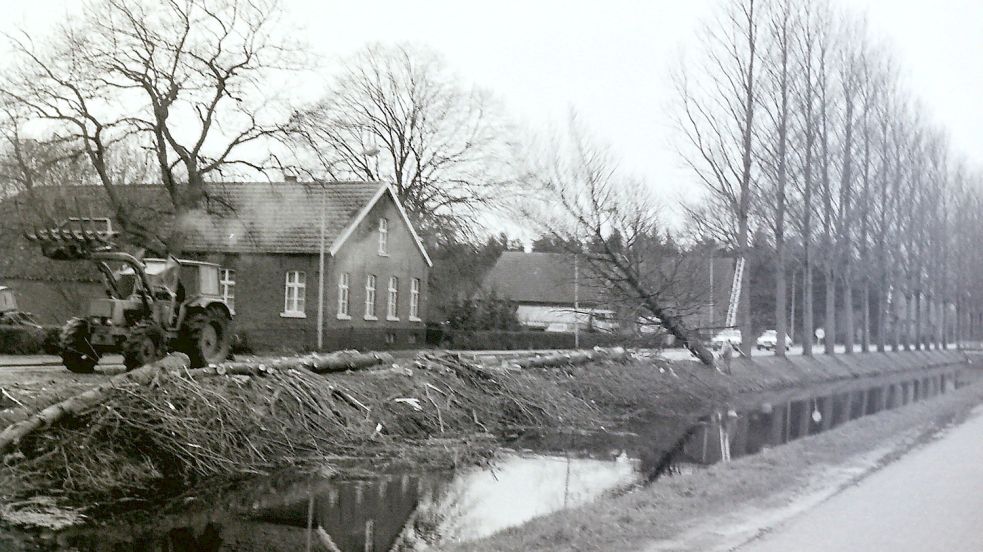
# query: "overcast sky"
x,y
610,59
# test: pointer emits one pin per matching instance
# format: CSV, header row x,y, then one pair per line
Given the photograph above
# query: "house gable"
x,y
384,191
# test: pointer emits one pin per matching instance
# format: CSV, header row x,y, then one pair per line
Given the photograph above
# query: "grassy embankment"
x,y
723,505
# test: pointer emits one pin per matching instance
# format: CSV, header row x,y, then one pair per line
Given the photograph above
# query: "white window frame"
x,y
383,237
227,287
415,299
392,299
294,294
370,287
344,296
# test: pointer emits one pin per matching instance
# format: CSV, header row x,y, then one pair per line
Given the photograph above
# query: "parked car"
x,y
603,321
769,340
729,335
560,327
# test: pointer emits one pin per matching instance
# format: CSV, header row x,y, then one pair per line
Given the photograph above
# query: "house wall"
x,y
260,287
259,300
359,257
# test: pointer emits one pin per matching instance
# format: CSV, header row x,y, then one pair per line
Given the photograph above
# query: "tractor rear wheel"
x,y
143,346
206,337
76,350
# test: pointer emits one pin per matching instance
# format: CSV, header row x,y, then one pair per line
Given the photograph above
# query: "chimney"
x,y
290,178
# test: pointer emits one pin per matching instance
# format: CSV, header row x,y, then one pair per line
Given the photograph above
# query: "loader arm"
x,y
102,257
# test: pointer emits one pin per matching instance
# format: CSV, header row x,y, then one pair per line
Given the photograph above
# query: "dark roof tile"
x,y
250,217
546,278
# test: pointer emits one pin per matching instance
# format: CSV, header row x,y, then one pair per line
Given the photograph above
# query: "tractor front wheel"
x,y
76,350
143,346
206,337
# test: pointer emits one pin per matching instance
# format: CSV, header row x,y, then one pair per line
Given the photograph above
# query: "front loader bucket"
x,y
71,244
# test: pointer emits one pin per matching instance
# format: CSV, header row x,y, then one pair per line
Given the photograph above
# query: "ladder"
x,y
735,294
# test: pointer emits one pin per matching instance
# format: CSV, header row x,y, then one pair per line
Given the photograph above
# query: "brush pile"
x,y
181,426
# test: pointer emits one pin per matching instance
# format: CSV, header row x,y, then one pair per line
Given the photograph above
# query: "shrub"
x,y
52,340
22,340
240,344
485,313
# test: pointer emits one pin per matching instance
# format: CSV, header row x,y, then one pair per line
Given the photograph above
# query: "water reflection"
x,y
520,488
785,419
406,512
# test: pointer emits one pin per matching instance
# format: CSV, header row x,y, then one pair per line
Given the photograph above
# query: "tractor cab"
x,y
8,303
162,275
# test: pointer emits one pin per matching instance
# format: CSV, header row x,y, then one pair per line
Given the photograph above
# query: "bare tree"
x,y
609,222
26,163
872,91
776,101
827,192
719,100
397,114
187,79
850,79
812,24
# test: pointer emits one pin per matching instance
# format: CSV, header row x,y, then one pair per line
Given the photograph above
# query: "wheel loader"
x,y
152,306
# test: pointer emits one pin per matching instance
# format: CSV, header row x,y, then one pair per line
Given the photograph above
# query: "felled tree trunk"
x,y
319,364
570,359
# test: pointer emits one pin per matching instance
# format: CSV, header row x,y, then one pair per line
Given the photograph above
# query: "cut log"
x,y
74,406
319,364
572,358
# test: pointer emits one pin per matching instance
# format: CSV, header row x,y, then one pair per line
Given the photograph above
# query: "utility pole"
x,y
320,282
791,322
710,303
576,303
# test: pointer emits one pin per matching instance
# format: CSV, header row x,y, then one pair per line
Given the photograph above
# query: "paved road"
x,y
683,354
50,363
931,499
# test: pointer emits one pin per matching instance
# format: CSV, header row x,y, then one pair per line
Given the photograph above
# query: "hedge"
x,y
26,340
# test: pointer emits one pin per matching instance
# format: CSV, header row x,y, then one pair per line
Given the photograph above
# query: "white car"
x,y
769,340
730,335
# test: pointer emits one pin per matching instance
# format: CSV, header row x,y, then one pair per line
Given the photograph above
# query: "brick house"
x,y
267,237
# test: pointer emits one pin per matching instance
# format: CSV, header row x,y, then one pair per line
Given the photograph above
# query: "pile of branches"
x,y
183,425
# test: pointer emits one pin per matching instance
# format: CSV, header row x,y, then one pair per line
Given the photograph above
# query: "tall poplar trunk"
x,y
808,314
744,208
865,316
908,316
829,262
781,314
844,250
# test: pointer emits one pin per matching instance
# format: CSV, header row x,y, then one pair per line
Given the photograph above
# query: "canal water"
x,y
413,511
776,418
